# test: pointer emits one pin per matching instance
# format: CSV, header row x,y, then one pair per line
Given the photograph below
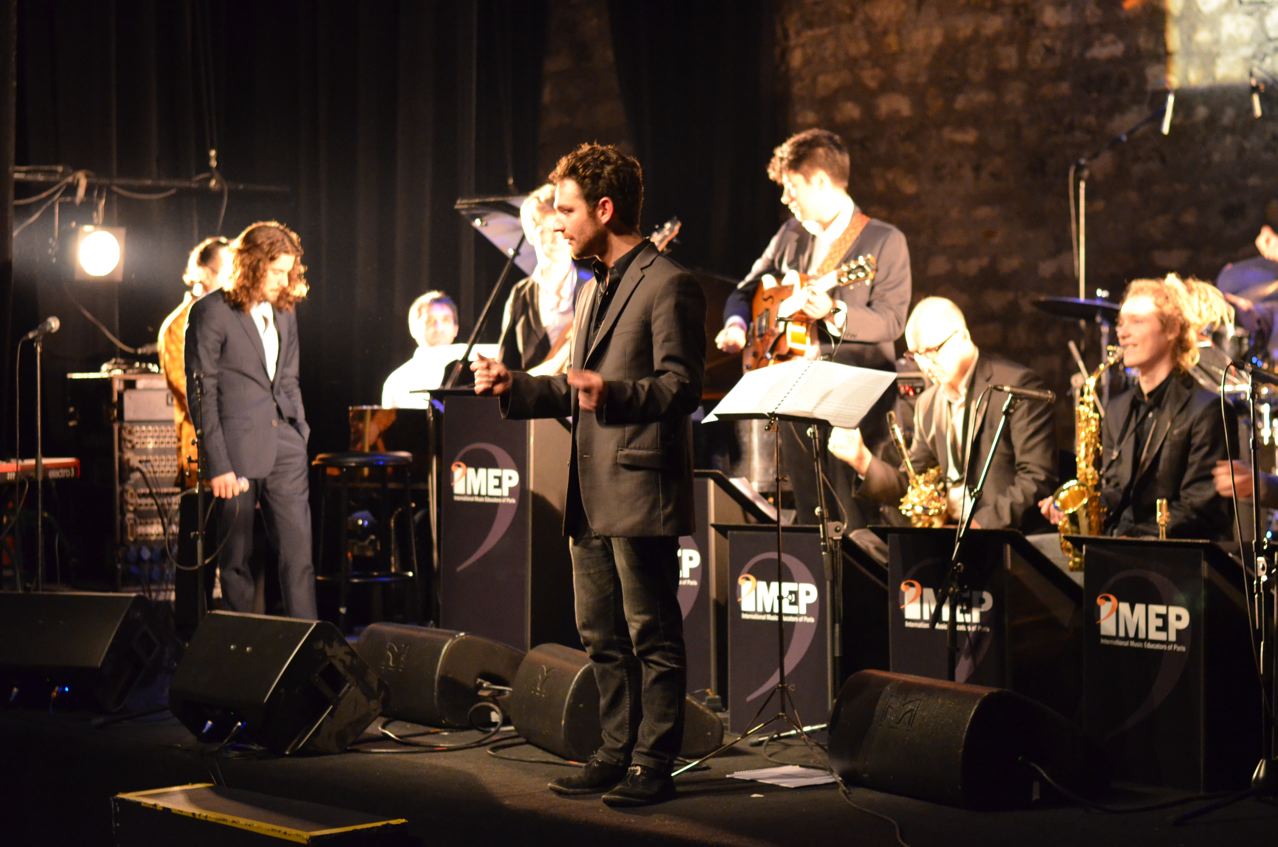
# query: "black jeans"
x,y
628,616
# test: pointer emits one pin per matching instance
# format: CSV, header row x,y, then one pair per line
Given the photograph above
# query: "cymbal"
x,y
1077,309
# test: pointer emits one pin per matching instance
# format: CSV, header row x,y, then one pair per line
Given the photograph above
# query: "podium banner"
x,y
1169,687
800,600
505,572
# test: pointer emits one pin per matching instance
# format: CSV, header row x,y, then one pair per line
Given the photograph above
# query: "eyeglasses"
x,y
930,353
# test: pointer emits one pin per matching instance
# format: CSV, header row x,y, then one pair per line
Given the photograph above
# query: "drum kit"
x,y
1228,345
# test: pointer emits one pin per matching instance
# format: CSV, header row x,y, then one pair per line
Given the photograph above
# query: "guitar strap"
x,y
844,243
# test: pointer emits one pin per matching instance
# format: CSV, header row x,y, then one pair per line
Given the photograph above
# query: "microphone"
x,y
1028,393
1167,112
51,325
1261,375
1256,88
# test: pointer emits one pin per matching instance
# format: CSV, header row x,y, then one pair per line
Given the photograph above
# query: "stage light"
x,y
99,253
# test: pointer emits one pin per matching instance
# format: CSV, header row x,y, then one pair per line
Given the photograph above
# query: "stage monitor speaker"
x,y
283,683
952,743
555,706
434,676
80,647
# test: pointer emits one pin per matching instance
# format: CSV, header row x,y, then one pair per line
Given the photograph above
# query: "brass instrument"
x,y
1079,499
925,502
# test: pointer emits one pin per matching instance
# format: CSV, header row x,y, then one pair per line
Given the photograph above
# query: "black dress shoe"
x,y
642,786
595,778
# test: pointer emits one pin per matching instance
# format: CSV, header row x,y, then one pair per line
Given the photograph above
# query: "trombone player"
x,y
1161,438
952,422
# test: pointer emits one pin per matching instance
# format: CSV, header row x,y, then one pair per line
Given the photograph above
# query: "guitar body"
x,y
770,340
779,330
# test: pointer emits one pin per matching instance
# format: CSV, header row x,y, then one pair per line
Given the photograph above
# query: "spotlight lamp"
x,y
99,253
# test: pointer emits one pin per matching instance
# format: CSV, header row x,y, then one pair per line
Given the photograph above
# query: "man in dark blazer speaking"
x,y
241,369
636,368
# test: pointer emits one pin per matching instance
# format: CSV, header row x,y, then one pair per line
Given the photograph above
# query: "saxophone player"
x,y
949,425
1163,437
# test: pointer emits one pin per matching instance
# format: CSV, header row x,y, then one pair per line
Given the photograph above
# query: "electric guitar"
x,y
779,330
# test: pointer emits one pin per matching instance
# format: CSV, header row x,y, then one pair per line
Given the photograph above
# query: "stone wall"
x,y
581,99
963,117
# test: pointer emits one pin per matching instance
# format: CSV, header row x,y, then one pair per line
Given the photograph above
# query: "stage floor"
x,y
60,771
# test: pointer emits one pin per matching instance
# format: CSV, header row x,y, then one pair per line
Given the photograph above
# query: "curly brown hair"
x,y
809,150
252,251
601,170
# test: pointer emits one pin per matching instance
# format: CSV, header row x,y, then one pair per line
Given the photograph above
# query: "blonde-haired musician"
x,y
1162,437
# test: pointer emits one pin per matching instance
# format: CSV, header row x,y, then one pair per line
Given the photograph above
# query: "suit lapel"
x,y
1177,398
625,287
581,320
805,243
941,430
280,317
1115,417
975,422
255,339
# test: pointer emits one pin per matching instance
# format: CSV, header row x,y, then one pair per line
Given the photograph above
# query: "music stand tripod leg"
x,y
781,690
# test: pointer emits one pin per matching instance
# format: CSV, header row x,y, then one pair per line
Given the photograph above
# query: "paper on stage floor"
x,y
786,776
805,389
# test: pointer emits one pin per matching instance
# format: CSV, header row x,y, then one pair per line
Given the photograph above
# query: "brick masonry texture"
x,y
963,116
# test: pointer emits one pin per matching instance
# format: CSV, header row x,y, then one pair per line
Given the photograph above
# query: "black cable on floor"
x,y
1075,797
496,749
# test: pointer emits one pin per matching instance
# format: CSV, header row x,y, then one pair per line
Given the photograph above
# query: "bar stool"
x,y
375,510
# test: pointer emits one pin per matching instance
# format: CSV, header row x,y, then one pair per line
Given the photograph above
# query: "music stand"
x,y
496,219
799,390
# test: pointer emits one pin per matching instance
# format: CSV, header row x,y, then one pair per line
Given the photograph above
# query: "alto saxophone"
x,y
925,502
1079,499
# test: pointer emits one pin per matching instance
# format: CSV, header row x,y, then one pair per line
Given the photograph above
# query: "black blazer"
x,y
876,313
1024,468
1185,441
524,341
632,457
241,403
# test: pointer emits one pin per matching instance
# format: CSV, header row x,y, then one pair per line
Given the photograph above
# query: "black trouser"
x,y
285,497
628,616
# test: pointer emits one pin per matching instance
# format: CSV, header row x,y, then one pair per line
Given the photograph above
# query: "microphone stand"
x,y
949,593
201,599
1264,778
1078,176
498,288
38,343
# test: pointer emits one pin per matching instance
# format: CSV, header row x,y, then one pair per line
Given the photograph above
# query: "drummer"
x,y
1250,286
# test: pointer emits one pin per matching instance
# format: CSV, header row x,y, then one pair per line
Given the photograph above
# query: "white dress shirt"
x,y
264,319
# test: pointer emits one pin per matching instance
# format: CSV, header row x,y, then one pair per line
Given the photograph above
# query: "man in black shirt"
x,y
1162,438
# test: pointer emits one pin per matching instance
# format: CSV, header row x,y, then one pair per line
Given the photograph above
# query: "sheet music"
x,y
806,389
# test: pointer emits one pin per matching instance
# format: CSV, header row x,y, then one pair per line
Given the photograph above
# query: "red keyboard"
x,y
54,468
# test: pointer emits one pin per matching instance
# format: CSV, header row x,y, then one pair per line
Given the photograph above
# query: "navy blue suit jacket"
x,y
240,402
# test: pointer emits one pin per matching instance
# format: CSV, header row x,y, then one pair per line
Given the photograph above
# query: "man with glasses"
x,y
955,418
857,324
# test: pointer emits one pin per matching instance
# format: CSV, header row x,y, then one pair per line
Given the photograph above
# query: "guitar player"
x,y
853,324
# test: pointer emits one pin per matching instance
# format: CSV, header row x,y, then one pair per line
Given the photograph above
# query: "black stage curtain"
x,y
375,117
703,77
